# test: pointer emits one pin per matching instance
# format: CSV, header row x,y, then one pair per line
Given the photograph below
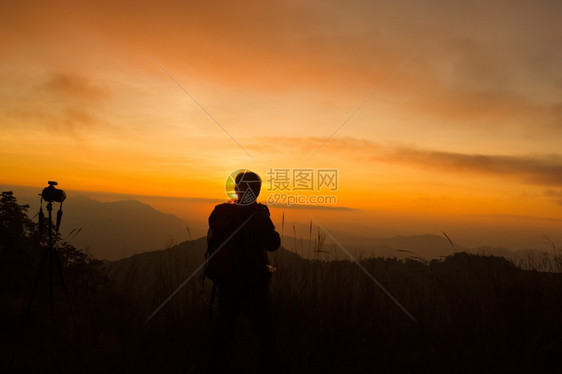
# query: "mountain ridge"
x,y
119,229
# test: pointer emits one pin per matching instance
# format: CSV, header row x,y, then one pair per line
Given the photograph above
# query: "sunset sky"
x,y
438,115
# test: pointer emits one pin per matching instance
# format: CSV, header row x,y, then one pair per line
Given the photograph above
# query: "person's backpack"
x,y
224,258
218,257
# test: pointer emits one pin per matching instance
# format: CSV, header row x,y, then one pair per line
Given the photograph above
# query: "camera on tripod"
x,y
49,194
52,193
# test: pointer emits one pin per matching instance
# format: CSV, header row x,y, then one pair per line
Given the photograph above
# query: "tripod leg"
x,y
36,283
59,266
51,283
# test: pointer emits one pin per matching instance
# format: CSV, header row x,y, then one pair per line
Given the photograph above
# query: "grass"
x,y
474,313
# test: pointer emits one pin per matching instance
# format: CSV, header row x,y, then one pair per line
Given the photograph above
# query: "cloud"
x,y
303,147
503,217
555,195
474,60
540,170
318,44
75,118
68,120
123,196
62,104
496,61
530,169
74,86
543,170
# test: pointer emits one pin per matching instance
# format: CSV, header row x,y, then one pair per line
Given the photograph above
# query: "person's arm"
x,y
274,241
270,239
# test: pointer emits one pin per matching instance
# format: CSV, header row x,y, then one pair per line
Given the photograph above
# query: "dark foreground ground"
x,y
474,314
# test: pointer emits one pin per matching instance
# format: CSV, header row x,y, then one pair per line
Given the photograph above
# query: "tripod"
x,y
51,257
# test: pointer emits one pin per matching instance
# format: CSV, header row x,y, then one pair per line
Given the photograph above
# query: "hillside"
x,y
473,313
113,230
144,271
460,313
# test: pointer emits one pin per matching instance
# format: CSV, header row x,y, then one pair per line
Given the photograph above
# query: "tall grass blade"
x,y
450,241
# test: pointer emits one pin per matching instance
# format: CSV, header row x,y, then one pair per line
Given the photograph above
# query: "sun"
x,y
230,183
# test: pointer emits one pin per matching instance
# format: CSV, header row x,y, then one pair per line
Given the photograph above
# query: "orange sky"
x,y
466,134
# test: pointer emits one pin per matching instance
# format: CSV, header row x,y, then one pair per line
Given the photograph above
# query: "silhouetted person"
x,y
241,233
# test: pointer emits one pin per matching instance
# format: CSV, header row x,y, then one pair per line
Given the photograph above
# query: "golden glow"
x,y
230,184
469,127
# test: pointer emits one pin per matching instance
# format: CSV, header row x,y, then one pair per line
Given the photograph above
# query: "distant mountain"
x,y
421,247
113,230
301,237
426,246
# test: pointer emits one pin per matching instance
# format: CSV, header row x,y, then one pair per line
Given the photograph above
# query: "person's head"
x,y
247,187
